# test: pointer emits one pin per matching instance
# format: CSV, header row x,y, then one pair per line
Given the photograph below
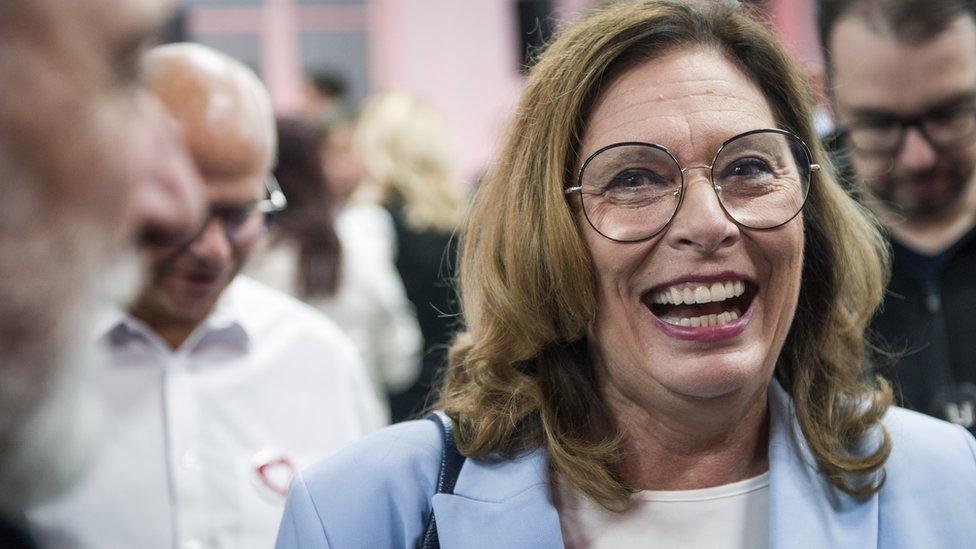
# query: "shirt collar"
x,y
228,322
231,318
109,319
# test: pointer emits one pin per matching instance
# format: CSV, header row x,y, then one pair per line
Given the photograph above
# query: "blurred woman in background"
x,y
343,269
402,143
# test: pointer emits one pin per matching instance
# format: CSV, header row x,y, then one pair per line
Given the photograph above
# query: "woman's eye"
x,y
751,167
636,179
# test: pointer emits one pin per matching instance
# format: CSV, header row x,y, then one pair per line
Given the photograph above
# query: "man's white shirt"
x,y
200,441
370,304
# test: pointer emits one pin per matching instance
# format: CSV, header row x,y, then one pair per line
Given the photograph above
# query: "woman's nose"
x,y
701,224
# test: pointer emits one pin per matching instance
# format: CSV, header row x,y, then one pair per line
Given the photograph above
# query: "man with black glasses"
x,y
214,381
903,77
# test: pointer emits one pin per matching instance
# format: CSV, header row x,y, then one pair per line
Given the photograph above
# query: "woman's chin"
x,y
718,377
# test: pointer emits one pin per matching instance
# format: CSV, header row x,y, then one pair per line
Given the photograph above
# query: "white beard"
x,y
54,444
51,283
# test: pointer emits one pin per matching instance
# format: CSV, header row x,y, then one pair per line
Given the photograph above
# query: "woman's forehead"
x,y
690,101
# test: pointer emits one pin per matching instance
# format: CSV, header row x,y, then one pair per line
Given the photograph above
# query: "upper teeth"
x,y
704,293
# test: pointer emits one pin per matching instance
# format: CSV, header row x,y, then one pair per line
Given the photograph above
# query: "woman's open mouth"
x,y
701,304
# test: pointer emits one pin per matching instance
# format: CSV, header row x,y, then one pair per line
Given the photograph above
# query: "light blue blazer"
x,y
378,492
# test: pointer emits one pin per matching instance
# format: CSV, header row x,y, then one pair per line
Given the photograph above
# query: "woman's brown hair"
x,y
309,219
520,376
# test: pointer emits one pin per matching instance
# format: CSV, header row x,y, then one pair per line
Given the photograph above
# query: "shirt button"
x,y
190,460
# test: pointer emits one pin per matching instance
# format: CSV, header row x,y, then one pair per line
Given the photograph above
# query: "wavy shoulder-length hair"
x,y
519,376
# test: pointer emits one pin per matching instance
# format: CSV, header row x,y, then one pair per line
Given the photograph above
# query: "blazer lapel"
x,y
505,504
805,509
508,504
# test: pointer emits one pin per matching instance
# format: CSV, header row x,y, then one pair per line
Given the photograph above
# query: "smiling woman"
x,y
665,293
587,345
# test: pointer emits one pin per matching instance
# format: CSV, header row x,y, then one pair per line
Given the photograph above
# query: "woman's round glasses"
x,y
631,191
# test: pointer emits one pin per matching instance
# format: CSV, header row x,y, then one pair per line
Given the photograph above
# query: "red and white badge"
x,y
272,473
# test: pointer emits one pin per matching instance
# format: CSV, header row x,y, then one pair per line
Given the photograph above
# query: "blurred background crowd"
x,y
337,143
465,58
406,101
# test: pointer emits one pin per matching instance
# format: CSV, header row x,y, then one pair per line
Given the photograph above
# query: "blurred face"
x,y
342,167
651,346
85,122
225,116
187,280
89,164
879,79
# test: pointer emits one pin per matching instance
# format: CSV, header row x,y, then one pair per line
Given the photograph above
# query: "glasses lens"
x,y
950,128
762,178
240,224
881,137
630,191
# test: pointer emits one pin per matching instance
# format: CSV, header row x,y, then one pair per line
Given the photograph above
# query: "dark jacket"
x,y
931,326
425,261
14,534
926,325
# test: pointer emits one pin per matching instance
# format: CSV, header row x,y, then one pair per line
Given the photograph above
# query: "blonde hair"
x,y
520,376
403,145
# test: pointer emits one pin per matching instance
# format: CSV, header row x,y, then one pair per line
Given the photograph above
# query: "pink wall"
x,y
796,24
460,55
284,75
278,24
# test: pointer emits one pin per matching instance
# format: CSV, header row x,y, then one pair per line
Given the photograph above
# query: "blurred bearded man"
x,y
213,380
903,74
89,165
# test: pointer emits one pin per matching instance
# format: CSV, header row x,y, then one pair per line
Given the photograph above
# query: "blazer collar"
x,y
805,509
508,504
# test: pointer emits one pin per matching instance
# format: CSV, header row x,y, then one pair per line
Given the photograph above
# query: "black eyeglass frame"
x,y
903,123
275,202
681,187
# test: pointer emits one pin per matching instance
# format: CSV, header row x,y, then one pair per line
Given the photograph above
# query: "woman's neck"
x,y
690,443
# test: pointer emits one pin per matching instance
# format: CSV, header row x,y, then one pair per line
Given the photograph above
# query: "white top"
x,y
200,442
370,304
733,516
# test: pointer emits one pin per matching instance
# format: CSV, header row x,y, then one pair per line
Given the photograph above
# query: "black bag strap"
x,y
451,463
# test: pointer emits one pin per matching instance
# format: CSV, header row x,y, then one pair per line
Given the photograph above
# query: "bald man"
x,y
218,387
